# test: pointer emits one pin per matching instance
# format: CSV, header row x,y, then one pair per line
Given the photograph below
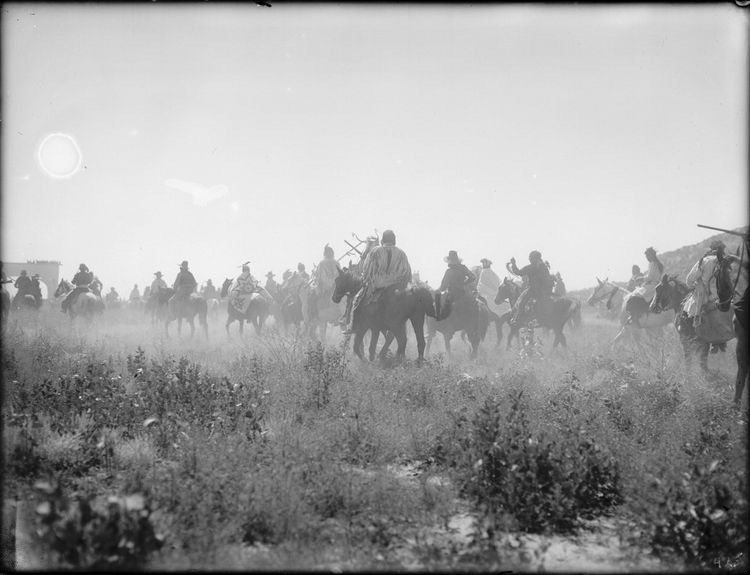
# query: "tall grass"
x,y
274,450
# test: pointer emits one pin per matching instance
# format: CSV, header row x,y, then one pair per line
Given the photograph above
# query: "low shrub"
x,y
79,534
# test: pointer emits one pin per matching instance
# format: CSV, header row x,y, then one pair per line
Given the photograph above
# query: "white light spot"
x,y
533,176
59,156
235,207
134,132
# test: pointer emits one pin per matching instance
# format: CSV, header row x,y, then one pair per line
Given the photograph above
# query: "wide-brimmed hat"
x,y
35,276
158,274
184,264
23,272
718,244
270,275
483,260
452,257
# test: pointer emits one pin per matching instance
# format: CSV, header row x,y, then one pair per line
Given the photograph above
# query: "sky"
x,y
137,136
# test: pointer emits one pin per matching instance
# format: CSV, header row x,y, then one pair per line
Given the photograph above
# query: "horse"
x,y
86,305
671,293
256,313
25,302
318,310
184,308
213,305
552,313
609,294
289,307
388,315
467,313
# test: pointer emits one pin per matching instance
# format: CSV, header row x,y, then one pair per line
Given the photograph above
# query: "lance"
x,y
731,232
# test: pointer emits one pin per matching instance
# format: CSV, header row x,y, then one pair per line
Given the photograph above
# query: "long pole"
x,y
741,234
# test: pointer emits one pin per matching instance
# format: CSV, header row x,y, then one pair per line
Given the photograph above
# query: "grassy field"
x,y
140,451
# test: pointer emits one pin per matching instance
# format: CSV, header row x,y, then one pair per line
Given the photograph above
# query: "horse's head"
x,y
600,292
345,283
62,288
425,299
724,285
669,294
225,287
507,290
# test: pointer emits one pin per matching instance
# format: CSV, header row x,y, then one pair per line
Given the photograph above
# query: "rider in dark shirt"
x,y
81,280
184,283
457,277
539,281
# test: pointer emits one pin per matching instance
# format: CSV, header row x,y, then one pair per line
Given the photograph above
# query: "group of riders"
x,y
382,266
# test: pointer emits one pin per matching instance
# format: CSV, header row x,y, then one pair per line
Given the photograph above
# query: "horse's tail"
x,y
574,311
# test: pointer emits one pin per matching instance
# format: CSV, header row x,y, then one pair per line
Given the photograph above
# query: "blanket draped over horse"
x,y
251,307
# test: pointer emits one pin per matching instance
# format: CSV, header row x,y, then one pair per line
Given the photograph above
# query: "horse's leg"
x,y
401,339
742,362
374,336
474,341
703,349
447,339
359,344
418,324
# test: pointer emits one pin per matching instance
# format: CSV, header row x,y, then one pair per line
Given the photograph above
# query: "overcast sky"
x,y
136,136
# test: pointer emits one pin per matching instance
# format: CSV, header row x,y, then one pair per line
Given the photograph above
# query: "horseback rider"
x,y
36,290
242,289
325,274
210,291
539,282
135,295
457,277
559,286
112,297
371,242
158,285
386,266
272,285
640,298
23,285
82,280
703,298
636,277
184,284
303,275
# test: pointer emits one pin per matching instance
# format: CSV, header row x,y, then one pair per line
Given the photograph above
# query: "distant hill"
x,y
678,262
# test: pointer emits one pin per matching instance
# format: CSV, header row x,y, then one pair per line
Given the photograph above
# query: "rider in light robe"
x,y
83,278
135,295
243,287
386,265
325,274
638,301
158,285
704,295
488,284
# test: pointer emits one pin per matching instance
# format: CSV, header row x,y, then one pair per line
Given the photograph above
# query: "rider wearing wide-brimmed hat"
x,y
184,283
456,277
158,284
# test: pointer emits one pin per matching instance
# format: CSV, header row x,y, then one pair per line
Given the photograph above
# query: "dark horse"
x,y
740,323
551,313
256,313
183,308
388,315
468,314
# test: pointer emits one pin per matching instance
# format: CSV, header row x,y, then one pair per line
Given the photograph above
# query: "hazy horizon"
x,y
137,136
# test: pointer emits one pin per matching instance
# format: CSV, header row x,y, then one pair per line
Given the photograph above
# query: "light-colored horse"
x,y
86,305
318,310
651,323
607,297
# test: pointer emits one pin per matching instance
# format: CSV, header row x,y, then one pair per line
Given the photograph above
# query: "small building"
x,y
48,270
